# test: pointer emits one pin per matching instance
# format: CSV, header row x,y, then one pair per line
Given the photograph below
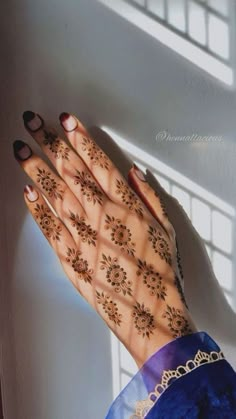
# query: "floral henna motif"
x,y
120,234
159,244
109,307
143,320
152,279
88,187
116,275
180,290
46,221
85,231
55,145
49,184
178,325
97,156
129,198
79,265
163,207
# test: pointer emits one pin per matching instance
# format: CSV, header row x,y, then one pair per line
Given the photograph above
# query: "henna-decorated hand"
x,y
119,255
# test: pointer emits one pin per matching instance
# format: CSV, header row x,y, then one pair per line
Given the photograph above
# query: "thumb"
x,y
153,201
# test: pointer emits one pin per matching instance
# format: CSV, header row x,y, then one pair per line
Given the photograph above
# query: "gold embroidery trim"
x,y
201,358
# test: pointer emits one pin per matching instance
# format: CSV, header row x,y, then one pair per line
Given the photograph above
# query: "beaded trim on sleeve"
x,y
169,376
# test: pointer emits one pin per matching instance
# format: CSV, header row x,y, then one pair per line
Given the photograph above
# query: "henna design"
x,y
129,197
162,204
97,156
79,265
120,234
46,221
159,244
109,307
143,320
116,275
179,260
178,324
88,187
55,145
88,235
152,279
49,184
180,290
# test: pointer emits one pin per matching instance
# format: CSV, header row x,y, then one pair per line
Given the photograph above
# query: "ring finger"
x,y
50,184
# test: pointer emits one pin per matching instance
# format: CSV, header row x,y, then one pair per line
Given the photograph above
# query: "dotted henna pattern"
x,y
159,244
56,146
179,260
85,231
162,204
180,290
49,184
152,279
97,156
88,187
79,265
109,307
120,234
116,275
44,216
177,323
143,320
129,198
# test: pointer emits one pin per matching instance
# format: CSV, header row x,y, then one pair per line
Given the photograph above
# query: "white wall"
x,y
78,56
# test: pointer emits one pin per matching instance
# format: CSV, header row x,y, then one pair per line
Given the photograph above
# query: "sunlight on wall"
x,y
212,218
198,30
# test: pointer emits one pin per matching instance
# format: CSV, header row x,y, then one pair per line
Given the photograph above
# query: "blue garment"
x,y
187,378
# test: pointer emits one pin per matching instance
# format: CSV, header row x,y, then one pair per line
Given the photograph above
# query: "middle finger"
x,y
68,164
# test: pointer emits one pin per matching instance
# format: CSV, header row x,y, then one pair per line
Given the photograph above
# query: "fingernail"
x,y
139,173
31,194
32,121
21,150
68,122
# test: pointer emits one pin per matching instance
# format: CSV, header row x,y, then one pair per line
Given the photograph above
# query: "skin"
x,y
112,237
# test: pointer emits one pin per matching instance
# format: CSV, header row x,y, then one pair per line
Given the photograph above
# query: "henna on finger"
x,y
129,198
162,204
97,156
49,184
116,275
44,216
177,323
143,320
159,244
85,231
88,187
57,146
79,265
109,307
152,279
120,234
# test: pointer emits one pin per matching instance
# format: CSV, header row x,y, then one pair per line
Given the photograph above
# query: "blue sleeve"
x,y
187,378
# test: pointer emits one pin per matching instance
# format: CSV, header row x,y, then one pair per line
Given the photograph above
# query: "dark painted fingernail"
x,y
32,121
21,150
31,194
68,122
139,173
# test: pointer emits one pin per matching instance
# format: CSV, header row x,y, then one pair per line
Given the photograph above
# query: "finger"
x,y
69,165
56,233
103,169
151,199
50,184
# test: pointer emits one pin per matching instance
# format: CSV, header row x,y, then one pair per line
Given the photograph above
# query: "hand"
x,y
120,258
